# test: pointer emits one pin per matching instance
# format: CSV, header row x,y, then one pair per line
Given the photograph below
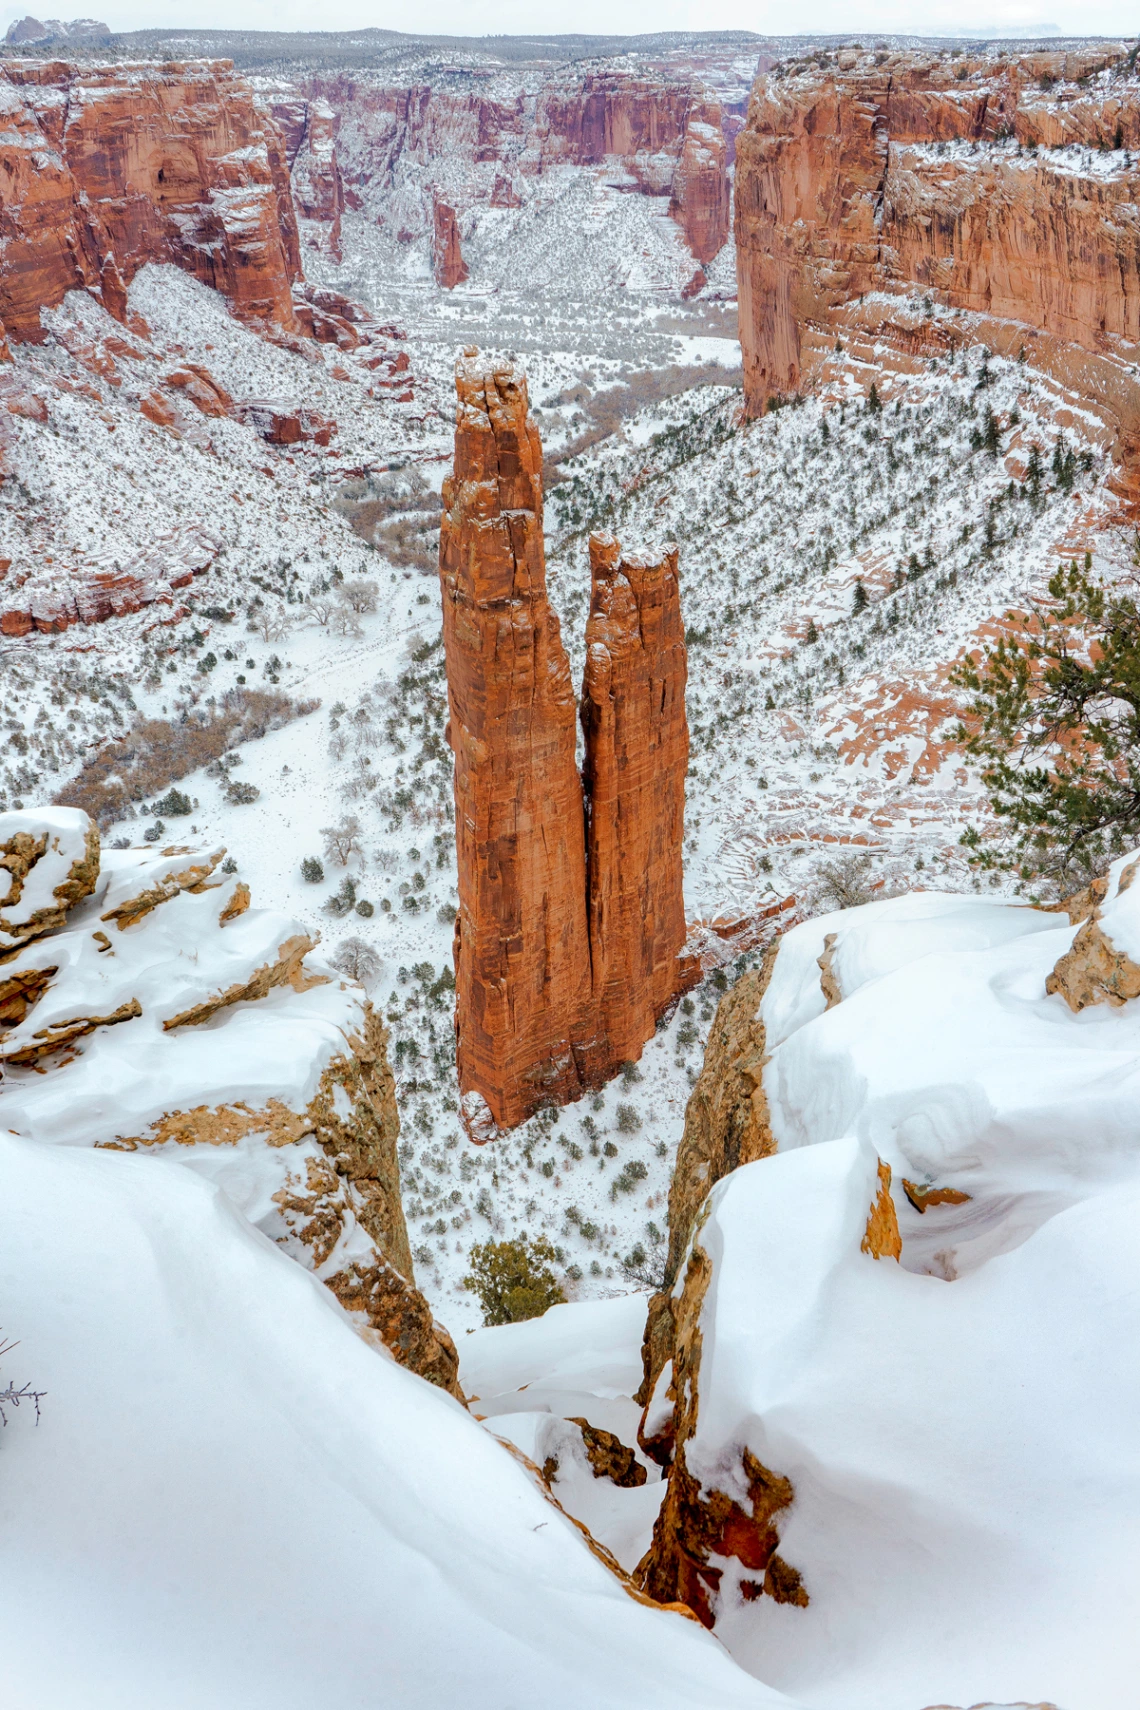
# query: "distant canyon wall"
x,y
1005,187
104,168
571,916
665,135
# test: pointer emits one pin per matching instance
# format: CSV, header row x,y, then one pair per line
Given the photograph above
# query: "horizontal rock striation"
x,y
108,167
1005,187
571,916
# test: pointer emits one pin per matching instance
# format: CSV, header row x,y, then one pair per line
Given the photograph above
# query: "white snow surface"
x,y
230,1500
963,1455
959,1427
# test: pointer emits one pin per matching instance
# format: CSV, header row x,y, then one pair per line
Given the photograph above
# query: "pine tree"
x,y
860,602
873,404
1066,693
811,634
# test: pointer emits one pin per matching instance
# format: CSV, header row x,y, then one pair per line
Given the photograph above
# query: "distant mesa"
x,y
84,32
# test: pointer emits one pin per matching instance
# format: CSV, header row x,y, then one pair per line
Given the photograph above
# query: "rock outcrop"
x,y
636,757
726,1125
447,261
107,168
521,948
1004,187
701,1527
52,600
1103,963
571,918
309,131
112,1035
701,195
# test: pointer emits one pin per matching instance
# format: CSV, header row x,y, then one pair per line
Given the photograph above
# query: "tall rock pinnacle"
x,y
571,915
521,946
637,754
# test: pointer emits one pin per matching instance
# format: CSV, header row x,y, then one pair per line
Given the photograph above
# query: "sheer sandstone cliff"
x,y
521,949
571,917
1003,187
106,168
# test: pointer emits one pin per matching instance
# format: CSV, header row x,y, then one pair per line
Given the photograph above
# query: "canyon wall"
x,y
1003,187
107,167
308,130
571,917
485,139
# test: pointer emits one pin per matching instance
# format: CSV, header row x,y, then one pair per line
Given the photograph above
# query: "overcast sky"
x,y
478,17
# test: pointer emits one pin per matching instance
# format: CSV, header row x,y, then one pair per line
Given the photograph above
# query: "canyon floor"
x,y
803,752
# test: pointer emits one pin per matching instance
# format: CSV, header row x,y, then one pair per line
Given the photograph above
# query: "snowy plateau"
x,y
230,1128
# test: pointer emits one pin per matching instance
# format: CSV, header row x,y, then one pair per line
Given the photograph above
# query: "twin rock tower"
x,y
571,916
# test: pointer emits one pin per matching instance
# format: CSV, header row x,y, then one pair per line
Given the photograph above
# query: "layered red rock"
x,y
660,129
933,175
521,944
108,167
701,201
447,261
571,916
637,754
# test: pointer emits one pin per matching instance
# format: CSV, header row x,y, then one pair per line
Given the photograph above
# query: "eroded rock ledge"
x,y
249,1060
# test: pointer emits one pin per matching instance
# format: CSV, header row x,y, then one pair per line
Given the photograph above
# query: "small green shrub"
x,y
312,871
175,803
513,1279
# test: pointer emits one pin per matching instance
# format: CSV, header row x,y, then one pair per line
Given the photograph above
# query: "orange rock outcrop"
x,y
1006,187
448,264
637,754
108,167
521,947
564,960
700,202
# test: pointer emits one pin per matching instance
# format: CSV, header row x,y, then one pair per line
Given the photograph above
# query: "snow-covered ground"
x,y
800,747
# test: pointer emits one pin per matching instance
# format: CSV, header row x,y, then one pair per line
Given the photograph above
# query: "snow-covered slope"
x,y
931,1397
231,1501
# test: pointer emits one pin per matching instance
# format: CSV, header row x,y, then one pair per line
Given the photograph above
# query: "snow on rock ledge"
x,y
49,860
165,1016
863,1452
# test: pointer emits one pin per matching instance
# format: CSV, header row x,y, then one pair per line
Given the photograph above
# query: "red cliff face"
x,y
106,168
700,185
637,754
659,130
448,264
563,960
308,130
939,177
521,949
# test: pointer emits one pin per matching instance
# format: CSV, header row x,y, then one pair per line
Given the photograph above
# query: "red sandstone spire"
x,y
561,971
637,754
521,951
